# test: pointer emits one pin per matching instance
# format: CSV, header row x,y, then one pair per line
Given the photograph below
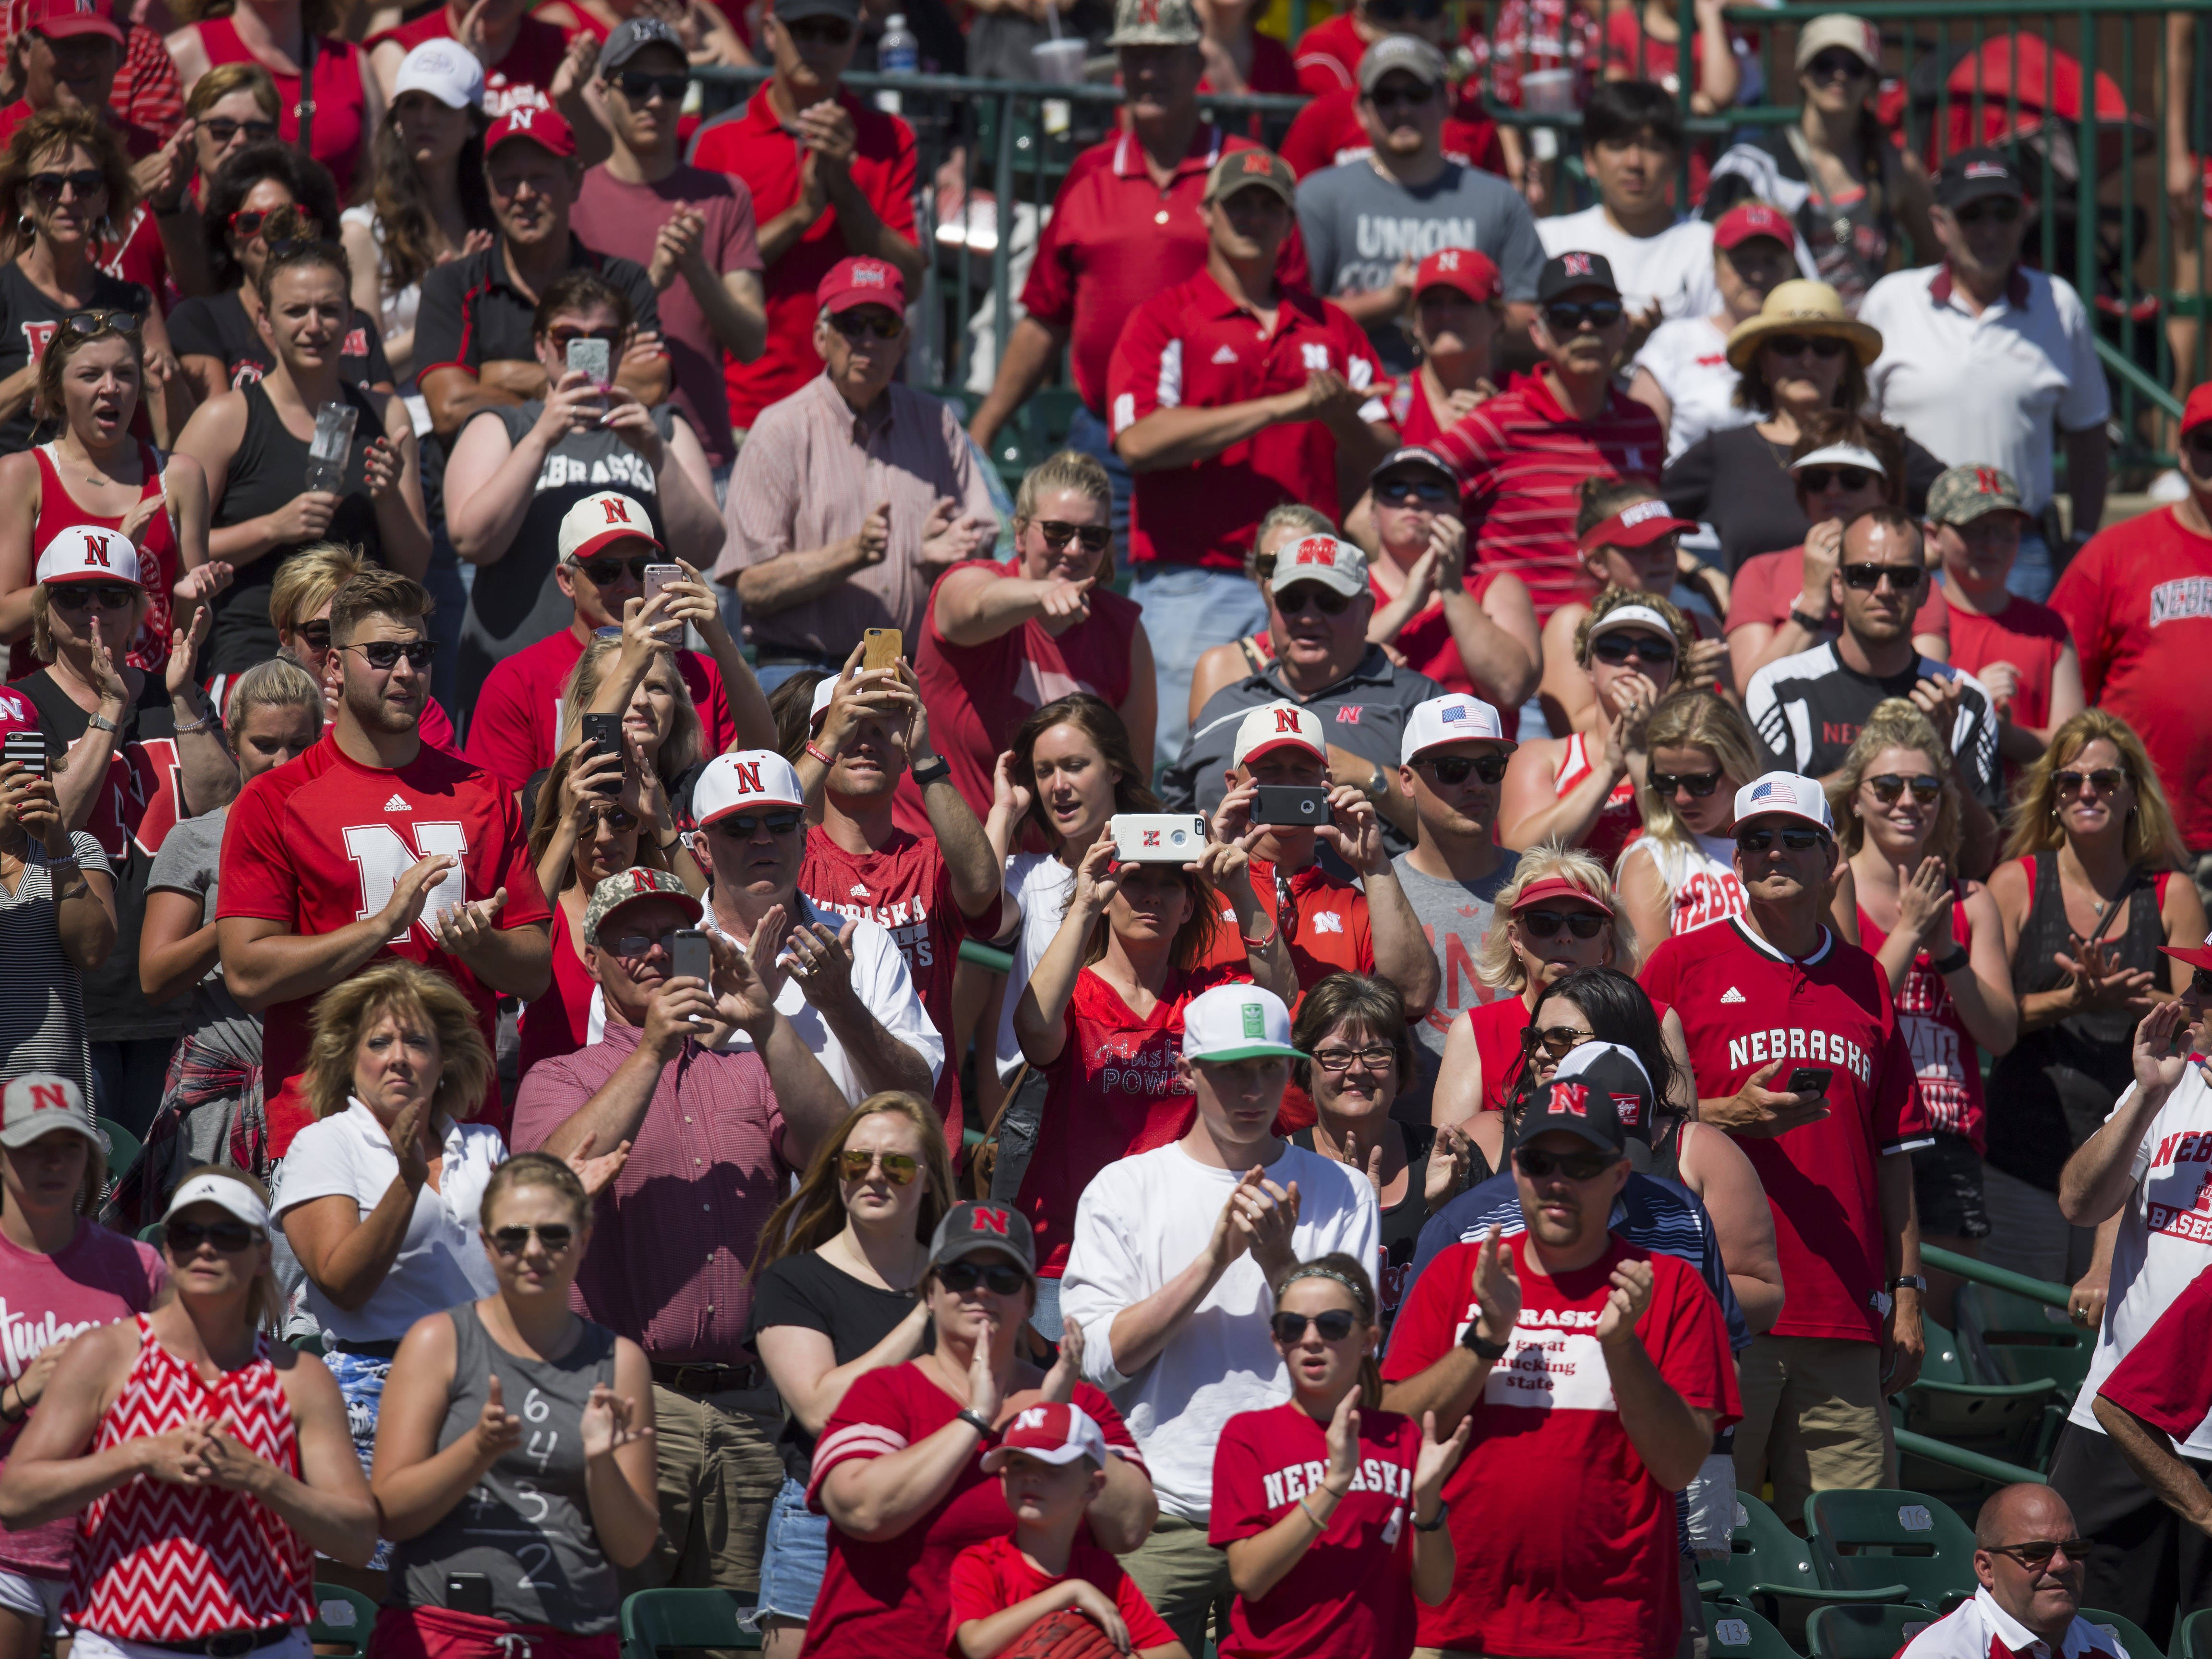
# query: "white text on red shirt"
x,y
1288,1484
1798,1042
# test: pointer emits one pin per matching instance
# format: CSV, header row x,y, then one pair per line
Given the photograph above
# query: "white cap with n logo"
x,y
88,553
600,520
1237,1022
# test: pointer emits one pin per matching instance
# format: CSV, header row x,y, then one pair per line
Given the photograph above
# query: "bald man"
x,y
2030,1565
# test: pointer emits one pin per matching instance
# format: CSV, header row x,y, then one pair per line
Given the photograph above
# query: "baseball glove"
x,y
1066,1634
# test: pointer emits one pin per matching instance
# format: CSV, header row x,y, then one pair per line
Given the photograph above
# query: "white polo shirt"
x,y
1985,391
1973,1626
1675,267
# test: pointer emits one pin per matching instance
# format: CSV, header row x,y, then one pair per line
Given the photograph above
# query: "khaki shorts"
x,y
1812,1421
1182,1576
717,1474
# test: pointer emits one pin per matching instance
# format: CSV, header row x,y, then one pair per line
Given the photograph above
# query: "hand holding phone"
x,y
1810,1081
603,736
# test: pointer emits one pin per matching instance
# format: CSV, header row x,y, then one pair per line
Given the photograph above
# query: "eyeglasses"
x,y
1566,316
105,596
819,31
1451,770
88,182
1330,602
287,219
1557,1040
223,129
513,1241
854,326
1866,578
1699,784
183,1237
2004,210
1797,841
1374,1057
606,572
1539,1165
1058,532
1546,924
741,826
1815,479
1618,648
1392,11
1837,66
316,634
384,654
2108,780
636,944
2036,1555
564,335
1334,1326
1401,97
1823,346
617,818
1888,787
899,1168
1412,489
639,85
86,324
962,1277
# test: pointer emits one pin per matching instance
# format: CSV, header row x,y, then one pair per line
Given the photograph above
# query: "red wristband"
x,y
819,755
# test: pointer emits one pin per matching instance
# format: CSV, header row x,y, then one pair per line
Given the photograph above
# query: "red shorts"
x,y
441,1634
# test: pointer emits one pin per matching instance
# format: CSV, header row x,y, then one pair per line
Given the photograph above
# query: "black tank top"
x,y
2051,1093
265,475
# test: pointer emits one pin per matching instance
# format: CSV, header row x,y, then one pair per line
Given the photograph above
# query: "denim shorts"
x,y
359,1377
794,1558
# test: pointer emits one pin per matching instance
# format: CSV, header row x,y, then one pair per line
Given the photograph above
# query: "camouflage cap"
x,y
1965,493
1154,23
626,887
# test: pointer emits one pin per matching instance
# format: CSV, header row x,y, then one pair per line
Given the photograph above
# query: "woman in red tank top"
x,y
97,473
342,104
200,1452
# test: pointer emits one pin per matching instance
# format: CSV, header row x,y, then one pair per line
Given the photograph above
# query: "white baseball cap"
x,y
1329,560
749,780
87,553
225,1192
1237,1022
1055,1431
446,70
1633,616
1841,455
824,694
600,520
1455,719
1784,794
40,1103
1279,725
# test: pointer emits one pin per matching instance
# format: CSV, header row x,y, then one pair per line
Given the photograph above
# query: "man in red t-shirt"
x,y
1522,456
1597,1374
1774,989
373,844
831,177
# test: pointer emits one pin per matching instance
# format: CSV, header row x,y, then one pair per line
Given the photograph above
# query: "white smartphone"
x,y
1157,838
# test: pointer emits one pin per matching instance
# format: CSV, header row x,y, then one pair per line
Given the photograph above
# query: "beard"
x,y
376,712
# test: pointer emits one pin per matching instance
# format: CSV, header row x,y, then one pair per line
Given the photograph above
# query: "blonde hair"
x,y
310,578
1496,962
679,752
265,1300
219,82
1070,469
537,1169
1695,720
404,990
1306,520
279,683
1896,723
42,623
1614,599
2152,840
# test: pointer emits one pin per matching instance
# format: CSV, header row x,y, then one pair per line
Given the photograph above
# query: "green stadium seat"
x,y
343,1619
2025,1339
2194,1639
654,1621
1947,1403
1891,1536
1770,1572
1735,1633
2127,1634
1864,1633
123,1150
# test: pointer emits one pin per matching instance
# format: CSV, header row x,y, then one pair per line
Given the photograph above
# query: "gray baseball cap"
x,y
1406,52
632,36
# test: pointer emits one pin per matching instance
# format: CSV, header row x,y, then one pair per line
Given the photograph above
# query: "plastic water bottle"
x,y
897,53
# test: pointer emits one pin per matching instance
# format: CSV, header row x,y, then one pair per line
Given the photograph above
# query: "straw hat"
x,y
1800,307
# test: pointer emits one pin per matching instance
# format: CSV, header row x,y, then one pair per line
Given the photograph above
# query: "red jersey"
x,y
2163,1378
1533,35
1115,238
339,107
752,143
1193,347
1328,933
1944,1056
522,79
991,1577
2028,636
1327,133
894,1597
557,1023
515,729
1536,1576
1351,1595
1272,71
319,842
58,510
1521,458
1619,821
1743,1004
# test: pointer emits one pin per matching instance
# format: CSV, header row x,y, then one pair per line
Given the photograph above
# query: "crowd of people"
x,y
1318,1034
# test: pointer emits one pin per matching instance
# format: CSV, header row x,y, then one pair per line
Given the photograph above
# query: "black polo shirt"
x,y
472,313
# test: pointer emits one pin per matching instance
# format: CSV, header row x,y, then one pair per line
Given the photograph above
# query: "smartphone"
x,y
886,646
27,749
603,736
1810,1081
595,358
469,1592
1157,838
658,578
1290,805
692,956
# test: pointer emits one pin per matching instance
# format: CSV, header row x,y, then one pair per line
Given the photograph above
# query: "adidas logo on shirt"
x,y
1732,995
860,889
1225,356
397,804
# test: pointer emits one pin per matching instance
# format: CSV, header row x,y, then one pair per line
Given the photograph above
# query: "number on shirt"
x,y
382,855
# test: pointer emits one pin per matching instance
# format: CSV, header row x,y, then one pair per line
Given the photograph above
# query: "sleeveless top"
x,y
1943,1052
1497,1026
158,1563
553,1024
1700,877
2051,1093
1620,819
266,474
336,110
526,1525
58,510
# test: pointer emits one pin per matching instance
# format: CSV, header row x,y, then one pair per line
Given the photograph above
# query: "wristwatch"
x,y
1443,1510
1475,1345
1909,1282
976,1420
929,771
1960,957
1813,625
101,723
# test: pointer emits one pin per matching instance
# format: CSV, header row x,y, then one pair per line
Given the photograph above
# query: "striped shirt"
x,y
810,473
42,1017
1520,457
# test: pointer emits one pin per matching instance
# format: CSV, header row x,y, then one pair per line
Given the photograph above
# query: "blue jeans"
x,y
2034,572
794,1557
1087,433
1187,610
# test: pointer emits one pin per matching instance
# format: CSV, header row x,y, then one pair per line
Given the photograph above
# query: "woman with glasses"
x,y
195,1450
835,1297
2089,894
1333,1566
514,1454
1580,790
231,106
1941,942
322,79
271,497
1679,874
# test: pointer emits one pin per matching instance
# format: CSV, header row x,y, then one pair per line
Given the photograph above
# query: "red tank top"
x,y
556,1023
1621,820
1498,1027
58,510
339,109
1943,1053
158,1563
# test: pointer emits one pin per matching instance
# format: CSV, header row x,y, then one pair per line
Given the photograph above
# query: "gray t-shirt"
x,y
42,1016
1454,915
1357,225
188,860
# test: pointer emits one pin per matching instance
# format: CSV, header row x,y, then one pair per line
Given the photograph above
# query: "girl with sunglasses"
x,y
1679,874
514,1445
834,1298
322,79
1580,790
1941,942
1332,1567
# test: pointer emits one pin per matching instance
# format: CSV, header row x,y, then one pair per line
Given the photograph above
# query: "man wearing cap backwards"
x,y
2018,650
372,844
1369,221
1982,356
832,179
1772,998
1319,607
692,230
720,1099
1170,1277
1597,1371
1231,394
472,332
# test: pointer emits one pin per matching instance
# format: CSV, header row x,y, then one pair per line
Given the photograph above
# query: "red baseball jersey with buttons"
x,y
318,843
1193,347
1744,1004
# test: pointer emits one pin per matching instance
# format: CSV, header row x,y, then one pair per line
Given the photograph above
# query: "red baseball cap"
x,y
1748,219
2197,955
1637,524
1464,270
2198,408
861,281
1560,888
59,19
546,128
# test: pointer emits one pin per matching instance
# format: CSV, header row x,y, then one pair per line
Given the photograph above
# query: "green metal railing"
x,y
1997,1278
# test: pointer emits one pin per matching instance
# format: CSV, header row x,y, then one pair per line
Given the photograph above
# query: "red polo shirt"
x,y
523,79
1115,238
1521,458
753,144
1194,347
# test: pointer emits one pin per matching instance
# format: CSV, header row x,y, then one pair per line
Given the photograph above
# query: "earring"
x,y
26,227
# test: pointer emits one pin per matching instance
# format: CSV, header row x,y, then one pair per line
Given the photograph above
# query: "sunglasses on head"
x,y
1557,1040
1566,316
606,572
1327,600
1546,924
639,85
105,596
88,182
1539,1164
899,1168
741,826
1375,1057
184,1237
2035,1555
819,31
1058,532
223,129
86,324
1902,578
2003,210
1334,1326
1796,840
1814,479
854,326
386,653
565,334
1823,346
1837,66
1888,787
1451,770
1699,784
962,1277
2107,780
1618,648
513,1241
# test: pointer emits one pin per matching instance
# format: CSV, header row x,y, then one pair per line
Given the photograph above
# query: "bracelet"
x,y
6,1416
932,771
1320,1525
58,861
977,1421
1443,1510
1264,940
825,759
1960,957
198,726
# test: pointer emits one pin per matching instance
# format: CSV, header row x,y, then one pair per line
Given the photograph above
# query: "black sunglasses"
x,y
1330,603
606,572
1557,1040
819,31
1422,488
1566,316
513,1241
87,181
2107,780
617,818
1837,66
86,324
223,129
962,1277
1058,532
1451,770
1796,840
1699,784
105,596
2004,210
854,326
639,85
1334,1326
2036,1554
740,826
1814,479
1546,924
1541,1166
1888,787
1400,97
1618,648
1823,346
386,653
316,634
183,1237
635,945
1904,578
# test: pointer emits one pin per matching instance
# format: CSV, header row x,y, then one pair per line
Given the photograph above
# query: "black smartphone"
x,y
1810,1081
1290,805
469,1592
603,736
27,749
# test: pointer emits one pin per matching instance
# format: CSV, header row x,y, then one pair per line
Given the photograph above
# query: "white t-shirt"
x,y
1041,886
1675,267
1142,1221
441,1262
1700,876
1689,357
